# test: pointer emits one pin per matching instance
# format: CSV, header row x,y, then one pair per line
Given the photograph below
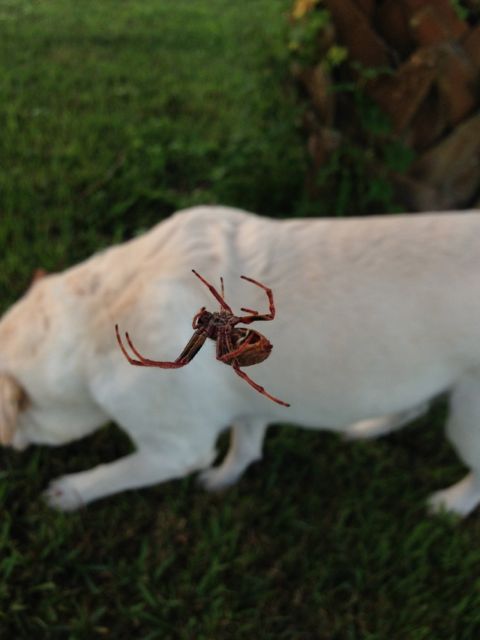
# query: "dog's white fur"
x,y
374,317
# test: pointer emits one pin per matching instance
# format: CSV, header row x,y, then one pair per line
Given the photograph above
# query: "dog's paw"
x,y
61,494
216,479
459,499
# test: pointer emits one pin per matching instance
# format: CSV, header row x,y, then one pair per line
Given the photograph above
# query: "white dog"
x,y
374,317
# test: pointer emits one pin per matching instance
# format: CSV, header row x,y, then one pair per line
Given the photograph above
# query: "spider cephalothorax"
x,y
236,346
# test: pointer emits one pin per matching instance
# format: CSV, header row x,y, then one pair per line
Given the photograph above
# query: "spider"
x,y
236,346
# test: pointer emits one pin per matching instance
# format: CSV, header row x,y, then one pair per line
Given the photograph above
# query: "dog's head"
x,y
52,420
13,400
44,394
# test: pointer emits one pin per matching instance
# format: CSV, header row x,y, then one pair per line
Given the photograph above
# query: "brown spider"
x,y
237,347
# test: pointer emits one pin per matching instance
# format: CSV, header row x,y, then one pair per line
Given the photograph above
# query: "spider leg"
x,y
256,386
224,348
230,355
194,345
214,292
254,314
196,316
187,354
223,344
222,287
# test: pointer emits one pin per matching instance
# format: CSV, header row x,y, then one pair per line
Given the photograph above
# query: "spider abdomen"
x,y
257,347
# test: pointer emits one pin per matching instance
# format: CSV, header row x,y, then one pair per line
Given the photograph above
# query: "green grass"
x,y
112,115
321,540
116,113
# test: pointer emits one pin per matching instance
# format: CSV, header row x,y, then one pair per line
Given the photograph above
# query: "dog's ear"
x,y
12,400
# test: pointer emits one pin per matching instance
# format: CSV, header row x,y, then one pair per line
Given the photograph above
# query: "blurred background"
x,y
113,115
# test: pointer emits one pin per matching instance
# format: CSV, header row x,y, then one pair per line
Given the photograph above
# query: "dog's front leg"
x,y
139,469
246,445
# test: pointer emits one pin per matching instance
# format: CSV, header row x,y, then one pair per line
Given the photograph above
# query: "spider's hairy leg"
x,y
254,314
146,362
223,344
196,317
256,386
224,348
191,349
194,345
229,355
214,292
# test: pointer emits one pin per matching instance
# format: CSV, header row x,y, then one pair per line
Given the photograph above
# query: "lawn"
x,y
113,114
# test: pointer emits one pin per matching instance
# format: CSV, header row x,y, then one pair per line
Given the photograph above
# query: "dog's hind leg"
x,y
375,427
245,447
463,431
